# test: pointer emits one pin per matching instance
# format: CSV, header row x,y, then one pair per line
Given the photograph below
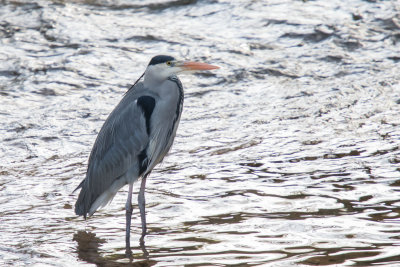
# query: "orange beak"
x,y
191,66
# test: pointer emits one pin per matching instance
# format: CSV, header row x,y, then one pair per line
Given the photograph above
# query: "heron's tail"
x,y
88,201
84,201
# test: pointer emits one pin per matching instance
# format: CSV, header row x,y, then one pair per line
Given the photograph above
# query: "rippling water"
x,y
286,156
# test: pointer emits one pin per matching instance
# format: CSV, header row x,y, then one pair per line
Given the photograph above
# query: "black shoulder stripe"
x,y
147,103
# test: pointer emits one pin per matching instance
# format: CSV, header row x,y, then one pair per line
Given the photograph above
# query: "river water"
x,y
286,156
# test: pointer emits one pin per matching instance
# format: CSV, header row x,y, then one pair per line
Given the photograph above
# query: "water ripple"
x,y
287,156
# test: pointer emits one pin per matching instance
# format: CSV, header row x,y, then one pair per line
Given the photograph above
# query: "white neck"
x,y
156,74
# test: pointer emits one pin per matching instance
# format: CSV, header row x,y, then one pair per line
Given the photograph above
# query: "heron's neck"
x,y
153,80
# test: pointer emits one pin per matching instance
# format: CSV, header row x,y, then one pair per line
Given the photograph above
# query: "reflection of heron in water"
x,y
88,251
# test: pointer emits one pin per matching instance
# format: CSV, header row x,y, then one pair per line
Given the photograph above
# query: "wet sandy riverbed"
x,y
286,156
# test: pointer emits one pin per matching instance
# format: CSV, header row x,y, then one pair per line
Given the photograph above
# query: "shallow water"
x,y
286,156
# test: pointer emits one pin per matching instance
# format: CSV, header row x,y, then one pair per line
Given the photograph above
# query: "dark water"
x,y
286,156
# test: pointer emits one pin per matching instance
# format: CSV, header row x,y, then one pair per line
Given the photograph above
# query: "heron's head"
x,y
161,67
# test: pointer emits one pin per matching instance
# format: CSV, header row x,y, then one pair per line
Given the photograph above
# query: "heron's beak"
x,y
192,66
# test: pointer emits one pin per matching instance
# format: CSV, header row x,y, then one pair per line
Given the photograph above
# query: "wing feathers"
x,y
131,142
122,138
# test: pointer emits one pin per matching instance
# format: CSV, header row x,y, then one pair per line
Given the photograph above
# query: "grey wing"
x,y
115,152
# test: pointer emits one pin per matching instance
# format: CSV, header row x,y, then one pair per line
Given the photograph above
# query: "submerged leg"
x,y
142,206
129,209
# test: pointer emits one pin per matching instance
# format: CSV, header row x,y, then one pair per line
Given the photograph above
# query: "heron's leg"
x,y
142,206
129,209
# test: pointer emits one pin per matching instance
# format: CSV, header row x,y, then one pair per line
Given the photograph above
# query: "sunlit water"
x,y
286,156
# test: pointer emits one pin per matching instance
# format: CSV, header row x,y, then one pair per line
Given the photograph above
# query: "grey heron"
x,y
135,137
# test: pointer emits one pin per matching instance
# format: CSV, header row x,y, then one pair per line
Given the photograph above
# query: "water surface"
x,y
286,156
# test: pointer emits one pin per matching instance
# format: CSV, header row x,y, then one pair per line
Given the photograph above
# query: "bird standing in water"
x,y
136,136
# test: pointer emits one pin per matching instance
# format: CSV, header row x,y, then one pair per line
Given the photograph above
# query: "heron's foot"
x,y
141,240
128,253
143,247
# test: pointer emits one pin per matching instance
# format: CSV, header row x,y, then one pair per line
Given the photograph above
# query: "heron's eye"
x,y
169,63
